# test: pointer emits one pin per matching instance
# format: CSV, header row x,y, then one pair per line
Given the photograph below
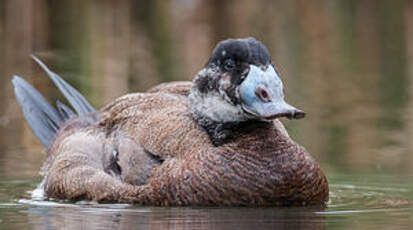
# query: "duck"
x,y
214,141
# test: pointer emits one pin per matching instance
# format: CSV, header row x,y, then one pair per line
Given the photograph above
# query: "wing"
x,y
159,122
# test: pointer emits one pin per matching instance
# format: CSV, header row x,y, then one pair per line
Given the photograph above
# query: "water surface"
x,y
357,201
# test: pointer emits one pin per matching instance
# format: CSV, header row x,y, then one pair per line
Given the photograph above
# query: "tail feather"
x,y
65,112
42,118
45,120
76,100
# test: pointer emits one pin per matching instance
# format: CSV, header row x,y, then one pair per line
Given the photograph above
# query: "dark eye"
x,y
229,65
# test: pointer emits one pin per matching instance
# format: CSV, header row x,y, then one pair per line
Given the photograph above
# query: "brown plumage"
x,y
150,149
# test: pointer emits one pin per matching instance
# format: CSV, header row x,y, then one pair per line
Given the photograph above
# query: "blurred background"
x,y
348,64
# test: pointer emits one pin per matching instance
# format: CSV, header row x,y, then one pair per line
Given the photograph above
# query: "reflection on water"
x,y
348,64
175,218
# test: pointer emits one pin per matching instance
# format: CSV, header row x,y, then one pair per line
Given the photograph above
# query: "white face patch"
x,y
215,107
224,53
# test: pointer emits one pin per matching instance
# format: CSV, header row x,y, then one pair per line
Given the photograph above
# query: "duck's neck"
x,y
223,122
224,132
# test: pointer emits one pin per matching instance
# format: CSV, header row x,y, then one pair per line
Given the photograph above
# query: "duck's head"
x,y
240,83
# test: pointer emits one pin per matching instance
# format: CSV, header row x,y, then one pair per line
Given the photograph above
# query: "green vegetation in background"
x,y
156,19
342,14
392,79
292,33
69,23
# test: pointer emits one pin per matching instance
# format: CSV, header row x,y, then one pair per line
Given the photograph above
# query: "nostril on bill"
x,y
263,94
298,114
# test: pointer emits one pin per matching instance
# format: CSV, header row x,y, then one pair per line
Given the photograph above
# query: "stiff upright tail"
x,y
43,119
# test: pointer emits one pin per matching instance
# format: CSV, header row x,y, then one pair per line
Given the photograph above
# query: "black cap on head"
x,y
244,50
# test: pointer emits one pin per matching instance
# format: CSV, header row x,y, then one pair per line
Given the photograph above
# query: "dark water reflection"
x,y
176,218
347,63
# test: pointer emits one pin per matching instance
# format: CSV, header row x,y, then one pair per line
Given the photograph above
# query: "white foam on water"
x,y
38,192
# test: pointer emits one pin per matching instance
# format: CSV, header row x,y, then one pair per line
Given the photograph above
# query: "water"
x,y
352,206
348,64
